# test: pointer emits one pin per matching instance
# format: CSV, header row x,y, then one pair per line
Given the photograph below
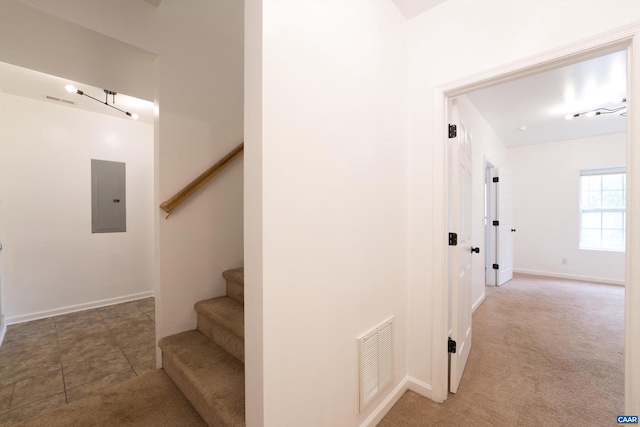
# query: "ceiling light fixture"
x,y
73,89
600,111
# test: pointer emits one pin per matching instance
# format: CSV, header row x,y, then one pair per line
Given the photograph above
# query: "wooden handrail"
x,y
187,191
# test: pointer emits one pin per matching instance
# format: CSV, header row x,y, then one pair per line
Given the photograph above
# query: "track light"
x,y
73,89
600,111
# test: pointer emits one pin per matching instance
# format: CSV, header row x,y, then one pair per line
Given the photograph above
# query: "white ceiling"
x,y
541,102
20,81
411,8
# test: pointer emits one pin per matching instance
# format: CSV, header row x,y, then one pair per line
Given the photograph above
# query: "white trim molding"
x,y
3,328
407,383
632,287
476,304
419,387
627,37
75,308
570,277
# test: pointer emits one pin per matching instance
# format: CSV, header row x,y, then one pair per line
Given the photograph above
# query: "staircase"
x,y
207,364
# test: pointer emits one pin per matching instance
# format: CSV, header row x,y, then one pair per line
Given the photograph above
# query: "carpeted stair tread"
x,y
149,400
210,378
222,320
235,283
226,311
235,275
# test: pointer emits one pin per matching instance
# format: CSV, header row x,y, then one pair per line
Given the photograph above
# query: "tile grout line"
x,y
13,389
88,360
102,389
64,384
62,368
102,318
10,409
28,404
119,346
125,355
114,339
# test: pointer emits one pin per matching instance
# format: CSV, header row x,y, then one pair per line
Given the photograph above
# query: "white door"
x,y
460,255
504,253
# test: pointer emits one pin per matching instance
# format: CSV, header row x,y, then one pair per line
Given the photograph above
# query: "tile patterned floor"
x,y
50,362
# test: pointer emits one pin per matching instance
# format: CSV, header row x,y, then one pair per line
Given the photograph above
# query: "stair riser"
x,y
235,290
185,386
222,336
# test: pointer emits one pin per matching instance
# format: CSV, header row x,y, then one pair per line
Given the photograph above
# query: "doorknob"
x,y
476,250
513,230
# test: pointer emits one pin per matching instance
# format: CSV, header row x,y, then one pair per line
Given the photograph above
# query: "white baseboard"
x,y
407,383
419,387
572,277
477,303
3,328
78,307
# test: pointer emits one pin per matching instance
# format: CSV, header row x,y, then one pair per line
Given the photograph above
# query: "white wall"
x,y
203,110
36,40
3,323
546,181
454,40
52,261
198,84
333,197
253,200
487,145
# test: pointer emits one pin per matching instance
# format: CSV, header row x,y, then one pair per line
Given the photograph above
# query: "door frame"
x,y
490,233
627,37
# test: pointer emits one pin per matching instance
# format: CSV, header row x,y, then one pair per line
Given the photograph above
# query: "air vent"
x,y
66,101
376,350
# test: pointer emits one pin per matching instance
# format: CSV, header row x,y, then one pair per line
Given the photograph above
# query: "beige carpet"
x,y
150,400
546,352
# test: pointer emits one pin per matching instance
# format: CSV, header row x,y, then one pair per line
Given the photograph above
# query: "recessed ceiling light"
x,y
522,128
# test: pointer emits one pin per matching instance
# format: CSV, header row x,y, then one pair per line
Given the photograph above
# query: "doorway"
x,y
589,49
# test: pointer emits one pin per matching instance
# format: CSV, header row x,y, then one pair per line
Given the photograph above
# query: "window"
x,y
603,201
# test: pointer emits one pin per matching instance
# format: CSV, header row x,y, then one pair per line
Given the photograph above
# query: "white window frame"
x,y
601,172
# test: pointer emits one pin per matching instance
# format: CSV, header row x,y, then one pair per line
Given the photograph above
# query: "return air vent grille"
x,y
65,101
376,362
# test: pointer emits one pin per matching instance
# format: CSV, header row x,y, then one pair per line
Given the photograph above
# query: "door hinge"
x,y
453,239
496,267
452,346
496,223
496,179
453,131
